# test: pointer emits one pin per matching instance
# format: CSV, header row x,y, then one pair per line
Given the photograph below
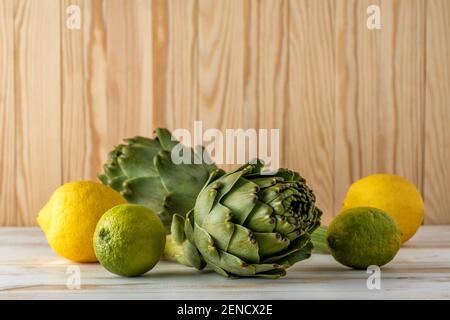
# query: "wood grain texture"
x,y
30,270
175,57
437,137
310,117
83,95
221,37
76,119
37,104
129,56
348,101
8,215
266,53
379,92
96,80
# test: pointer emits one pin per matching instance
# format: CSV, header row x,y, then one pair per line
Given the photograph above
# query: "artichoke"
x,y
143,172
248,223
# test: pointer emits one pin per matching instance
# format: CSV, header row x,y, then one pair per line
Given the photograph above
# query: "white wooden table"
x,y
29,269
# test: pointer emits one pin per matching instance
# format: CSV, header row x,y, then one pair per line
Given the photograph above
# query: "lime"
x,y
129,240
70,216
394,195
363,236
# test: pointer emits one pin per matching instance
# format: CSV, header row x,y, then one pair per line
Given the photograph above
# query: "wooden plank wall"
x,y
349,101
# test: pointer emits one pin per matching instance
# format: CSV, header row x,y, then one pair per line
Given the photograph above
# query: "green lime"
x,y
129,240
363,236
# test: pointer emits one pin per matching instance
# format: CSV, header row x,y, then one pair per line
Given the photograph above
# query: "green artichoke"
x,y
248,223
143,172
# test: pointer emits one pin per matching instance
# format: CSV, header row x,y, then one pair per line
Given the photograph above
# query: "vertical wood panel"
x,y
437,138
380,92
175,57
8,215
129,56
310,117
160,48
266,52
221,64
38,110
407,88
75,121
84,108
95,71
75,116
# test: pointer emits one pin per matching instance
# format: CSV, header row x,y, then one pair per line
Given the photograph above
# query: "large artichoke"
x,y
143,172
246,223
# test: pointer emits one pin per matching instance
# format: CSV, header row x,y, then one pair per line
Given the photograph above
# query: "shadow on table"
x,y
176,273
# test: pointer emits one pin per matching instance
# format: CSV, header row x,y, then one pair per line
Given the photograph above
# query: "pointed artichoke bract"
x,y
143,172
249,224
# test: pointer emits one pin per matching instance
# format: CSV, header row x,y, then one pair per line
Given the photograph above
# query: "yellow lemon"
x,y
394,195
70,216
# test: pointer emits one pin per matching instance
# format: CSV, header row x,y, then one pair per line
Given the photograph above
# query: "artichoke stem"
x,y
319,240
171,250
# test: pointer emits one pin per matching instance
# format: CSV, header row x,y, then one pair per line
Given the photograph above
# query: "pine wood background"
x,y
349,101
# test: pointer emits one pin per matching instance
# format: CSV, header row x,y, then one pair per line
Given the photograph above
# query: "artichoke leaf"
x,y
135,160
203,157
218,224
267,267
283,226
243,245
192,256
103,178
227,182
219,270
241,200
189,226
234,265
295,246
182,178
205,202
272,274
270,243
289,175
146,191
112,169
177,229
178,202
165,138
117,183
268,194
143,141
266,182
205,244
296,256
260,218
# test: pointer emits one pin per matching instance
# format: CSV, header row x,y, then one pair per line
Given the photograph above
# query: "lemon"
x,y
70,216
394,195
363,236
129,240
